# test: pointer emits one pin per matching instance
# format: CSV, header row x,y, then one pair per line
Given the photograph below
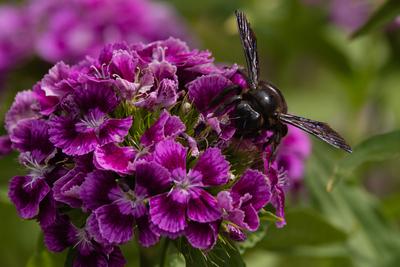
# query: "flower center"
x,y
83,240
94,119
37,170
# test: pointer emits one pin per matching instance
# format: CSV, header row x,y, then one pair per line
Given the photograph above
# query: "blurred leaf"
x,y
44,258
70,258
304,228
390,206
268,216
377,148
289,258
312,261
176,260
9,167
372,241
253,238
224,254
18,237
385,13
4,195
41,259
130,251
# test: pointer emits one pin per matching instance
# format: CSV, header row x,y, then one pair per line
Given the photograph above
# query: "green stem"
x,y
164,250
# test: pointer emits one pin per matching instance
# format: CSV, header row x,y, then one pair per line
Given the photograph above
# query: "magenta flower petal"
x,y
5,145
161,232
114,226
123,64
293,165
297,142
92,227
167,94
47,210
168,215
203,207
32,135
65,135
90,260
279,202
202,235
251,218
114,130
26,193
100,257
116,258
165,127
154,177
225,200
174,51
255,184
295,148
171,155
96,188
48,104
235,233
237,216
24,107
213,167
56,83
114,158
162,69
59,235
205,88
278,184
95,95
67,189
147,237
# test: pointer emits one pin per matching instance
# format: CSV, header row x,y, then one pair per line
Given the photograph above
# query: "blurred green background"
x,y
348,213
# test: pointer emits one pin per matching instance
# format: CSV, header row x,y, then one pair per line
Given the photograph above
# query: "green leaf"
x,y
224,254
40,259
377,148
355,210
390,206
18,237
269,217
310,261
70,258
3,196
253,238
386,13
311,257
44,258
304,228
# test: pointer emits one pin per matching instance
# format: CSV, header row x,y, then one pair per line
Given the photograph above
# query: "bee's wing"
x,y
249,43
319,129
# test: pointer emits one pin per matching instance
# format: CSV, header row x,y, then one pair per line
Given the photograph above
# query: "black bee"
x,y
262,106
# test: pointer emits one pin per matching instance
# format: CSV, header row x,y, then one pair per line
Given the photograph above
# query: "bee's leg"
x,y
276,139
225,92
239,142
229,102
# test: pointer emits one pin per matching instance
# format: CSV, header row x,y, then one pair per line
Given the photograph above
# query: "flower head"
x,y
128,139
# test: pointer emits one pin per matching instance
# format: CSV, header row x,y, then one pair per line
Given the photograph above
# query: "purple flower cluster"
x,y
71,29
15,31
112,139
